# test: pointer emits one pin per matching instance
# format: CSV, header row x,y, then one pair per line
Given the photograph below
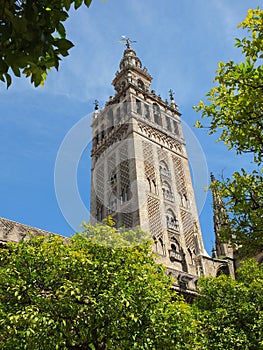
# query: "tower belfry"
x,y
140,171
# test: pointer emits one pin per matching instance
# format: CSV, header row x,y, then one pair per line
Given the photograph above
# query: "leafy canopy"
x,y
33,37
101,289
235,104
232,310
234,109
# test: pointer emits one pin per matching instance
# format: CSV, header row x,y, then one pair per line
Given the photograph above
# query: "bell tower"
x,y
140,171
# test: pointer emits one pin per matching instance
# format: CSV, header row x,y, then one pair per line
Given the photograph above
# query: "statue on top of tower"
x,y
171,95
127,41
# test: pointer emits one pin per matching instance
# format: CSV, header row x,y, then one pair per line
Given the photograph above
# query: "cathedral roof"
x,y
12,231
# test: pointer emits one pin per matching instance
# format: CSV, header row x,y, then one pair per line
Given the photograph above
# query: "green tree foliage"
x,y
33,37
235,111
232,310
101,289
243,198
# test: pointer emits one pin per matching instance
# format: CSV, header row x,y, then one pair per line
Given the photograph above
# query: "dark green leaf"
x,y
64,44
77,3
3,67
87,2
16,71
61,30
8,79
67,4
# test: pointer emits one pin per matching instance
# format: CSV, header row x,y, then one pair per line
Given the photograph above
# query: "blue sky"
x,y
180,42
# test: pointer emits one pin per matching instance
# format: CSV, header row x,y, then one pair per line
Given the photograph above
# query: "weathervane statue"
x,y
127,41
171,94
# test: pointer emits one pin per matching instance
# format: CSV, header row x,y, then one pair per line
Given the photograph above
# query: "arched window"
x,y
110,118
160,246
99,212
176,129
147,111
122,196
184,200
123,85
125,194
171,220
140,84
190,255
96,139
166,187
167,192
154,187
113,179
168,124
164,170
173,247
138,106
157,114
149,184
223,270
118,115
102,133
112,207
125,107
174,252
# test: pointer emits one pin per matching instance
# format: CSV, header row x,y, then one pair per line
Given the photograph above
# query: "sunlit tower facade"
x,y
140,171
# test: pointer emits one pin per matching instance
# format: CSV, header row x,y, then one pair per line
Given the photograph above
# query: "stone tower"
x,y
140,172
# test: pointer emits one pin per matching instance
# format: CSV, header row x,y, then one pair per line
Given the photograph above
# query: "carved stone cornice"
x,y
160,137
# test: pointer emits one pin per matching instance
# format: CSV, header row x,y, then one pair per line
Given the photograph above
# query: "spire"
x,y
131,72
171,94
172,101
96,105
96,109
220,218
129,56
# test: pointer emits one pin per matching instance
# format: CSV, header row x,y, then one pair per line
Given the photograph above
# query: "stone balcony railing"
x,y
166,173
173,225
168,196
174,256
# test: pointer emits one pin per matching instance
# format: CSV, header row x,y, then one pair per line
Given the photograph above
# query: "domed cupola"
x,y
130,59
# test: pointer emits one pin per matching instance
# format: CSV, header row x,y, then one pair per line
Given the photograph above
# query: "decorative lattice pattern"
x,y
127,220
148,160
124,174
99,180
123,151
111,171
111,183
154,217
179,175
123,168
188,228
99,209
111,164
162,155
